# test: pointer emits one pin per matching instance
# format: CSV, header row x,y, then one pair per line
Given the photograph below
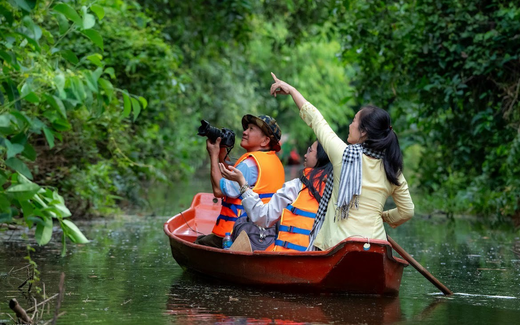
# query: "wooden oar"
x,y
419,267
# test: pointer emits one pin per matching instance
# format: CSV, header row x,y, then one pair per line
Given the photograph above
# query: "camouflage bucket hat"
x,y
268,125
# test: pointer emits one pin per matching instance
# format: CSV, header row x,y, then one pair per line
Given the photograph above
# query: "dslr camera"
x,y
227,136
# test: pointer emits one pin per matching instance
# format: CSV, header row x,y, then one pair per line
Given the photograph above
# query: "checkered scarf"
x,y
349,187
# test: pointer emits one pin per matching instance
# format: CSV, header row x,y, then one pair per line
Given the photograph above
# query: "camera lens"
x,y
227,136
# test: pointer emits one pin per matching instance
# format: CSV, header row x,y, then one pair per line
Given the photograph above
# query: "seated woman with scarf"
x,y
295,204
366,171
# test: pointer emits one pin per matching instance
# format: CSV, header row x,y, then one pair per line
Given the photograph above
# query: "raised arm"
x,y
216,156
332,144
280,87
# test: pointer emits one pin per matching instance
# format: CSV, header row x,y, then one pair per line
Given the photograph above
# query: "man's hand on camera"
x,y
213,148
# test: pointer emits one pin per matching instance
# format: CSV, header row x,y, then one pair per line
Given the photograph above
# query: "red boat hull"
x,y
346,268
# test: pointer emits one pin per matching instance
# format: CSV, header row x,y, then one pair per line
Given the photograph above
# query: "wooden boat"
x,y
346,267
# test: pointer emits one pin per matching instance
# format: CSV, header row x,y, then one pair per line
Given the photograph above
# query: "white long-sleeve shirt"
x,y
266,215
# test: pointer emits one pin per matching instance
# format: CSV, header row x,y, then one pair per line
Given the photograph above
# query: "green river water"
x,y
126,275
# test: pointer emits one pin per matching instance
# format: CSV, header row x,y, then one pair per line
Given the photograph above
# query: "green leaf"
x,y
37,199
23,192
10,58
34,219
43,232
37,125
33,30
127,105
21,179
61,125
49,135
98,10
6,56
27,207
70,56
49,212
111,72
13,148
91,82
29,95
96,59
95,37
4,205
96,74
59,81
19,166
19,138
26,5
12,93
78,89
20,120
81,89
63,245
6,127
63,23
57,104
32,98
143,101
136,107
29,152
69,12
3,178
107,86
74,233
59,205
88,20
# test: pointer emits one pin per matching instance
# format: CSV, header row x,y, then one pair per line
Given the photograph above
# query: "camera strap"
x,y
228,149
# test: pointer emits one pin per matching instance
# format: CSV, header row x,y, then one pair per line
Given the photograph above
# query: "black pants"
x,y
211,240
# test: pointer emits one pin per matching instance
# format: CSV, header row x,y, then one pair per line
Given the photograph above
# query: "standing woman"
x,y
295,204
366,171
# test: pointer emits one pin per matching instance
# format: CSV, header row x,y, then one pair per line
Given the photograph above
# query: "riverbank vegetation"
x,y
100,99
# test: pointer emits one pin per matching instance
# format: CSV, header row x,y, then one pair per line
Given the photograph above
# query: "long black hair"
x,y
319,173
381,137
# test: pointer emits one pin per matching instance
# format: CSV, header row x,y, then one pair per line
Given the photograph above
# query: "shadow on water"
x,y
195,299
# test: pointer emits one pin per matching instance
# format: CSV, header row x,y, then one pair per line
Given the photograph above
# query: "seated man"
x,y
260,165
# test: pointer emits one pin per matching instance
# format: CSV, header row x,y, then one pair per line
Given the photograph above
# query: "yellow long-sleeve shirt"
x,y
367,221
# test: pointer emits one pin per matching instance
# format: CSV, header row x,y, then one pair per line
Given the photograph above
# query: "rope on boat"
x,y
366,246
187,224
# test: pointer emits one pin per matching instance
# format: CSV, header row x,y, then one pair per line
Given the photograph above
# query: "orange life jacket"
x,y
271,177
297,221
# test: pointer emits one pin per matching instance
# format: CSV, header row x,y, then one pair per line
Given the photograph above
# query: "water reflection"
x,y
194,299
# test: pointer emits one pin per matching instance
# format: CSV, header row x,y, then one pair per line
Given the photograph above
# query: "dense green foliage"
x,y
449,69
42,99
